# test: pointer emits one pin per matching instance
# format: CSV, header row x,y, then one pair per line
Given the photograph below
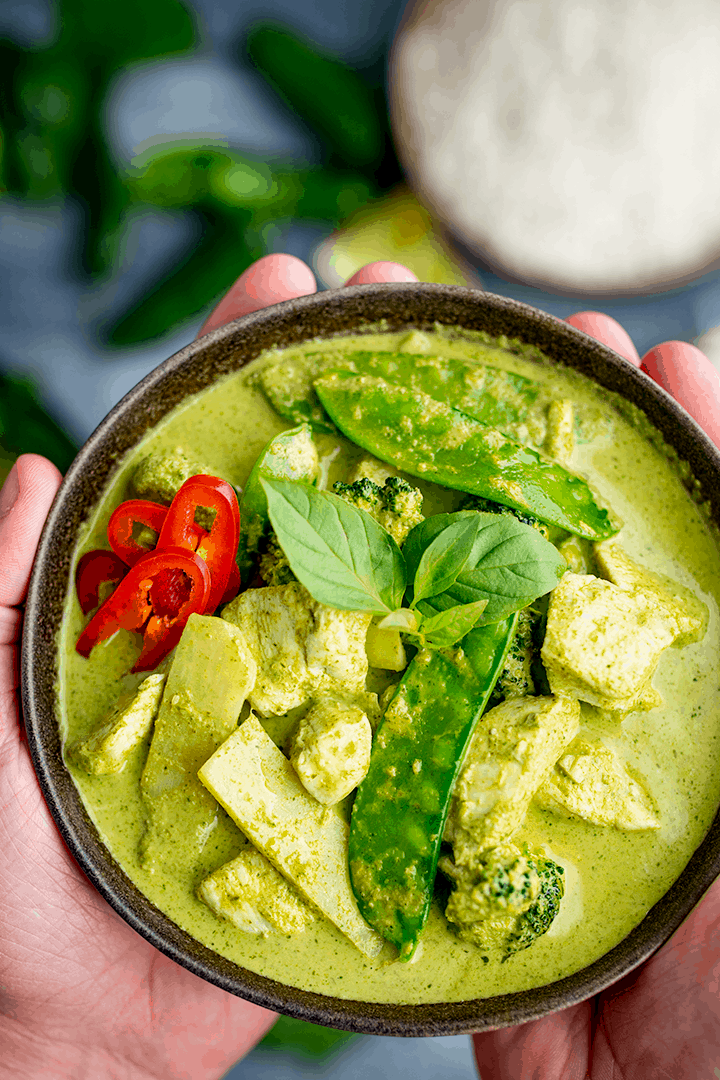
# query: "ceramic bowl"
x,y
191,370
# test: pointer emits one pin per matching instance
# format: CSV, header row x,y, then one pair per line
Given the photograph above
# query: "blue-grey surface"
x,y
378,1058
48,320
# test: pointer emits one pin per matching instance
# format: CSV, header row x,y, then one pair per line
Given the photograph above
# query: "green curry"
x,y
616,861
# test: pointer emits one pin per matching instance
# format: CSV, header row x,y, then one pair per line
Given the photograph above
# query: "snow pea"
x,y
400,809
291,455
500,398
431,440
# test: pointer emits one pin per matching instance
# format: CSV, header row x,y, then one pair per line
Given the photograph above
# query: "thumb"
x,y
25,499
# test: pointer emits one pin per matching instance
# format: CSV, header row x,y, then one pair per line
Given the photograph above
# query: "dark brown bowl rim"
x,y
199,364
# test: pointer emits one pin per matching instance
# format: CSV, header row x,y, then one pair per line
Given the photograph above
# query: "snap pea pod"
x,y
401,806
291,455
496,397
433,441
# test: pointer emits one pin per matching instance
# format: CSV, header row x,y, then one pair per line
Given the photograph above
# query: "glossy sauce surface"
x,y
612,877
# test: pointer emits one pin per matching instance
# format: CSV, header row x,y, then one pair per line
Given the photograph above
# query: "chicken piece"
x,y
160,476
302,648
602,644
590,782
331,750
305,841
108,749
252,894
512,749
560,436
679,604
335,649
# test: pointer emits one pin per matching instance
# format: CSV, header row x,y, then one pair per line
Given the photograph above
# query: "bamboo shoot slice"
x,y
307,842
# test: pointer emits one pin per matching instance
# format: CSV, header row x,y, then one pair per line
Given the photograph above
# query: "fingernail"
x,y
10,492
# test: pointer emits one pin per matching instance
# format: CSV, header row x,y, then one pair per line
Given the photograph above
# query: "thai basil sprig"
x,y
456,572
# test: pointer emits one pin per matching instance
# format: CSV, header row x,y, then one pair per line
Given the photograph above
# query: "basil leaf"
x,y
511,565
448,627
445,557
339,553
423,534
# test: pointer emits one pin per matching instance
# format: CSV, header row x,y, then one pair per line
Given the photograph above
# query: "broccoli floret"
x,y
539,917
397,505
363,493
517,679
504,900
273,564
486,506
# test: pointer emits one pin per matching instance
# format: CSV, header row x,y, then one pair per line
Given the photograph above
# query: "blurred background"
x,y
150,151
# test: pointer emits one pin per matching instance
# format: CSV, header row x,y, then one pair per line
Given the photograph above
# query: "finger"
x,y
268,281
554,1048
25,500
381,271
606,330
688,375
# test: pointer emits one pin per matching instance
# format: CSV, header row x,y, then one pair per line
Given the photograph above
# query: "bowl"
x,y
191,370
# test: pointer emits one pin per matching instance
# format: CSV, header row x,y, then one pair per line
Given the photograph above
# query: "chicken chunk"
x,y
602,644
108,749
252,894
590,782
331,750
302,648
560,437
679,604
511,751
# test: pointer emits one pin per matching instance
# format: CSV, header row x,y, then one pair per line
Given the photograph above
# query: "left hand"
x,y
81,994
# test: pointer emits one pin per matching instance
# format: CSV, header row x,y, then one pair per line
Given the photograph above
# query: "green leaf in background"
x,y
302,1039
339,553
236,200
52,106
53,146
329,95
192,286
25,428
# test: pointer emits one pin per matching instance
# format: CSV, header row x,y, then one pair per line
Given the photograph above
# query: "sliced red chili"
x,y
233,585
154,577
218,545
128,521
94,569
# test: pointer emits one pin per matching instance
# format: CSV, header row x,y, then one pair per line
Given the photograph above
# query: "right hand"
x,y
662,1020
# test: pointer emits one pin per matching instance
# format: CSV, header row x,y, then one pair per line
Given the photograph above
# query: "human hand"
x,y
663,1020
81,994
